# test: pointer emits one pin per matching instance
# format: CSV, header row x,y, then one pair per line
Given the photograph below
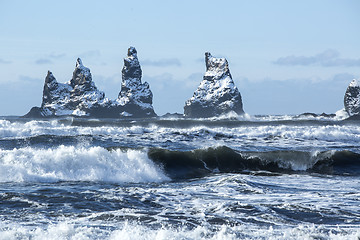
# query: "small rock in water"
x,y
352,98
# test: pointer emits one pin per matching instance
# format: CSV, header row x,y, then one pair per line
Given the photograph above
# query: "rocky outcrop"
x,y
352,98
55,95
80,96
216,94
55,98
309,114
135,98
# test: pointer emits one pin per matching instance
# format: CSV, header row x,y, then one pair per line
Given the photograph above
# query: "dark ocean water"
x,y
259,177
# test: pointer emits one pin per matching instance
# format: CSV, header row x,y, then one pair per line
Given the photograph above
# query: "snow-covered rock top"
x,y
82,79
56,95
216,68
352,98
135,97
84,94
354,83
216,94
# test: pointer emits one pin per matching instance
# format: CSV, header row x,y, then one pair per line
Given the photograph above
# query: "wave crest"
x,y
201,162
69,163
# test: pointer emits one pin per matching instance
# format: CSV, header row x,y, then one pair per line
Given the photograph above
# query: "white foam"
x,y
341,114
77,164
129,231
240,137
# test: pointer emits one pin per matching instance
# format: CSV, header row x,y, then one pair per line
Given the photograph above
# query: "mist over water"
x,y
256,177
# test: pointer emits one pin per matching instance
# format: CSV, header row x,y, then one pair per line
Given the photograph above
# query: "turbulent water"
x,y
259,177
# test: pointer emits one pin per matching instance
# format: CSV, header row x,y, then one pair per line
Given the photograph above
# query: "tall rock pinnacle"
x,y
216,94
135,97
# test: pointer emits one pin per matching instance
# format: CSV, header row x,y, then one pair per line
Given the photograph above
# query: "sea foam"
x,y
73,163
68,230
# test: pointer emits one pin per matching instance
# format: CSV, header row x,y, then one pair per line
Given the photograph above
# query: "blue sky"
x,y
286,57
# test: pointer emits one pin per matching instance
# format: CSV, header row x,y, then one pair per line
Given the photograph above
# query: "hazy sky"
x,y
286,57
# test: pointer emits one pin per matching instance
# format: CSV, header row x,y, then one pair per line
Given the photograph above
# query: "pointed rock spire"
x,y
216,94
50,78
49,86
135,97
54,94
132,52
131,69
78,63
82,79
216,68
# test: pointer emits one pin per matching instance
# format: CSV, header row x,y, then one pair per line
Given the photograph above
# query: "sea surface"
x,y
254,177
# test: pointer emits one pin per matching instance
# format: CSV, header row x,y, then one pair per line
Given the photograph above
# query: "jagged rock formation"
x,y
80,96
352,98
216,94
84,96
135,97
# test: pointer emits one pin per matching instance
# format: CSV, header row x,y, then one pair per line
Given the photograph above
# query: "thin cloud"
x,y
43,61
2,61
343,77
28,79
91,54
342,62
160,82
328,58
57,56
165,62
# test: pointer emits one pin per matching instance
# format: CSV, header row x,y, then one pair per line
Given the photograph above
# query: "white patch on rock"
x,y
352,98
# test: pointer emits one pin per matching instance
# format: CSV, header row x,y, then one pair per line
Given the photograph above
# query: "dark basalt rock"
x,y
354,117
172,115
216,94
307,114
53,91
352,98
329,115
36,112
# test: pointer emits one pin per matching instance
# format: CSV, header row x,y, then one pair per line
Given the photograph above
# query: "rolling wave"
x,y
201,162
84,163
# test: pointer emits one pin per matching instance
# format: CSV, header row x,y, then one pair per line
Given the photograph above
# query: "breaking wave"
x,y
129,230
201,162
81,163
69,163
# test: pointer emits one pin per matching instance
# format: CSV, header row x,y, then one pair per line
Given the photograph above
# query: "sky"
x,y
285,57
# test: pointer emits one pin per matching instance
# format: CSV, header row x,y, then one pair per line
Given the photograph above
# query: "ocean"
x,y
253,177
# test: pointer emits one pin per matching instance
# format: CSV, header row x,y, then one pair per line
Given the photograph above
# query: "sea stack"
x,y
80,96
352,98
56,96
216,94
85,98
135,98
